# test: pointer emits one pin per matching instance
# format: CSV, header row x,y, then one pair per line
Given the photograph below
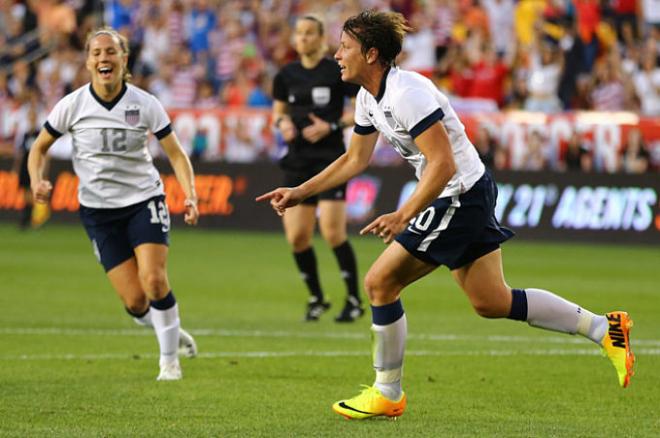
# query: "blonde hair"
x,y
121,40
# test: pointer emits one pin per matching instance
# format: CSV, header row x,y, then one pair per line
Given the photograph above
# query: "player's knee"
x,y
299,242
379,289
154,282
334,237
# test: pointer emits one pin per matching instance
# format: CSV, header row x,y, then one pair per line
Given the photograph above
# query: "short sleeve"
x,y
158,121
59,119
363,125
417,110
280,91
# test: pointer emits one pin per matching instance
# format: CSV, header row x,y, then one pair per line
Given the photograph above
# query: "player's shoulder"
x,y
138,93
400,82
76,95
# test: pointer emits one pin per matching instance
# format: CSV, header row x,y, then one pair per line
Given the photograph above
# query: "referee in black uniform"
x,y
308,111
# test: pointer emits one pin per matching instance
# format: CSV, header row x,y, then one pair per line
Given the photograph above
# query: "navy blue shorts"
x,y
114,232
457,230
294,178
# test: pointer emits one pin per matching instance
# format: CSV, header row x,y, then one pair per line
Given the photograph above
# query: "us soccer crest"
x,y
132,115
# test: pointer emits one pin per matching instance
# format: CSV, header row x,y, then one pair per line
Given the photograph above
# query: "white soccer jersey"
x,y
110,154
408,104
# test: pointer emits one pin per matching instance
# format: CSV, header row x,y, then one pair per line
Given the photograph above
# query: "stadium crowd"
x,y
547,56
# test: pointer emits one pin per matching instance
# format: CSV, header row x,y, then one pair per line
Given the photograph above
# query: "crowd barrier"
x,y
537,205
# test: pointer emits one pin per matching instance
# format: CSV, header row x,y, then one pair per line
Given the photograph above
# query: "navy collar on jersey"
x,y
383,80
109,105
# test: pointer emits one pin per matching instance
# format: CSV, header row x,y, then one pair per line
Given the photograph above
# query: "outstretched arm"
x,y
434,144
351,163
37,159
184,174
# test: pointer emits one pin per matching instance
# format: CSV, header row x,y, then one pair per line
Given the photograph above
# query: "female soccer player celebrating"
x,y
448,220
122,203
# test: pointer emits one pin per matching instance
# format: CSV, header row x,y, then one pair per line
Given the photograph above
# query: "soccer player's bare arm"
x,y
435,145
36,161
348,165
440,167
184,174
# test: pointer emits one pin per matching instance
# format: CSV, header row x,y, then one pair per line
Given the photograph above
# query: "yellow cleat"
x,y
370,403
616,345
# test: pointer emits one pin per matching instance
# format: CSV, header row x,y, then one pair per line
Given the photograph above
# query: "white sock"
x,y
144,320
166,325
389,342
549,311
592,326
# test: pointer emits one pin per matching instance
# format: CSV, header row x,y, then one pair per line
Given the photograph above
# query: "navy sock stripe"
x,y
136,314
518,305
164,303
387,314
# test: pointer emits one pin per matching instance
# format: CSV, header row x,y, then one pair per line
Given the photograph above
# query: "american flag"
x,y
132,116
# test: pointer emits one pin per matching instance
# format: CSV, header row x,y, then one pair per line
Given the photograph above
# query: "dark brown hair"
x,y
383,31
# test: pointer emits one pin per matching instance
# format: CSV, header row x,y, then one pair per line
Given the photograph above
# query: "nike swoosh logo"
x,y
413,231
345,406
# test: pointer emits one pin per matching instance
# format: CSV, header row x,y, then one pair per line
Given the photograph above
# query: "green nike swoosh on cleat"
x,y
345,406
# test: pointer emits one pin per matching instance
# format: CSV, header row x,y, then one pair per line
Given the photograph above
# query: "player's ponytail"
x,y
121,40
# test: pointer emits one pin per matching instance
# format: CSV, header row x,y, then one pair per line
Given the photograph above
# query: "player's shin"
x,y
165,319
389,330
543,309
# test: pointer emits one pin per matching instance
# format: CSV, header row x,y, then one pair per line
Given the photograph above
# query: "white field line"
x,y
310,353
58,331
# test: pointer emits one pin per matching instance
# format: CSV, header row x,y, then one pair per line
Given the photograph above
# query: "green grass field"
x,y
73,364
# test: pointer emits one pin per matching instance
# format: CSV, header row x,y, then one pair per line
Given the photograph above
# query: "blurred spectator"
x,y
200,21
26,135
526,15
489,73
543,81
500,19
535,156
572,49
206,97
227,47
119,13
489,149
184,80
635,157
444,14
155,42
588,17
56,18
200,144
647,84
175,23
608,93
237,90
261,94
418,52
577,156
